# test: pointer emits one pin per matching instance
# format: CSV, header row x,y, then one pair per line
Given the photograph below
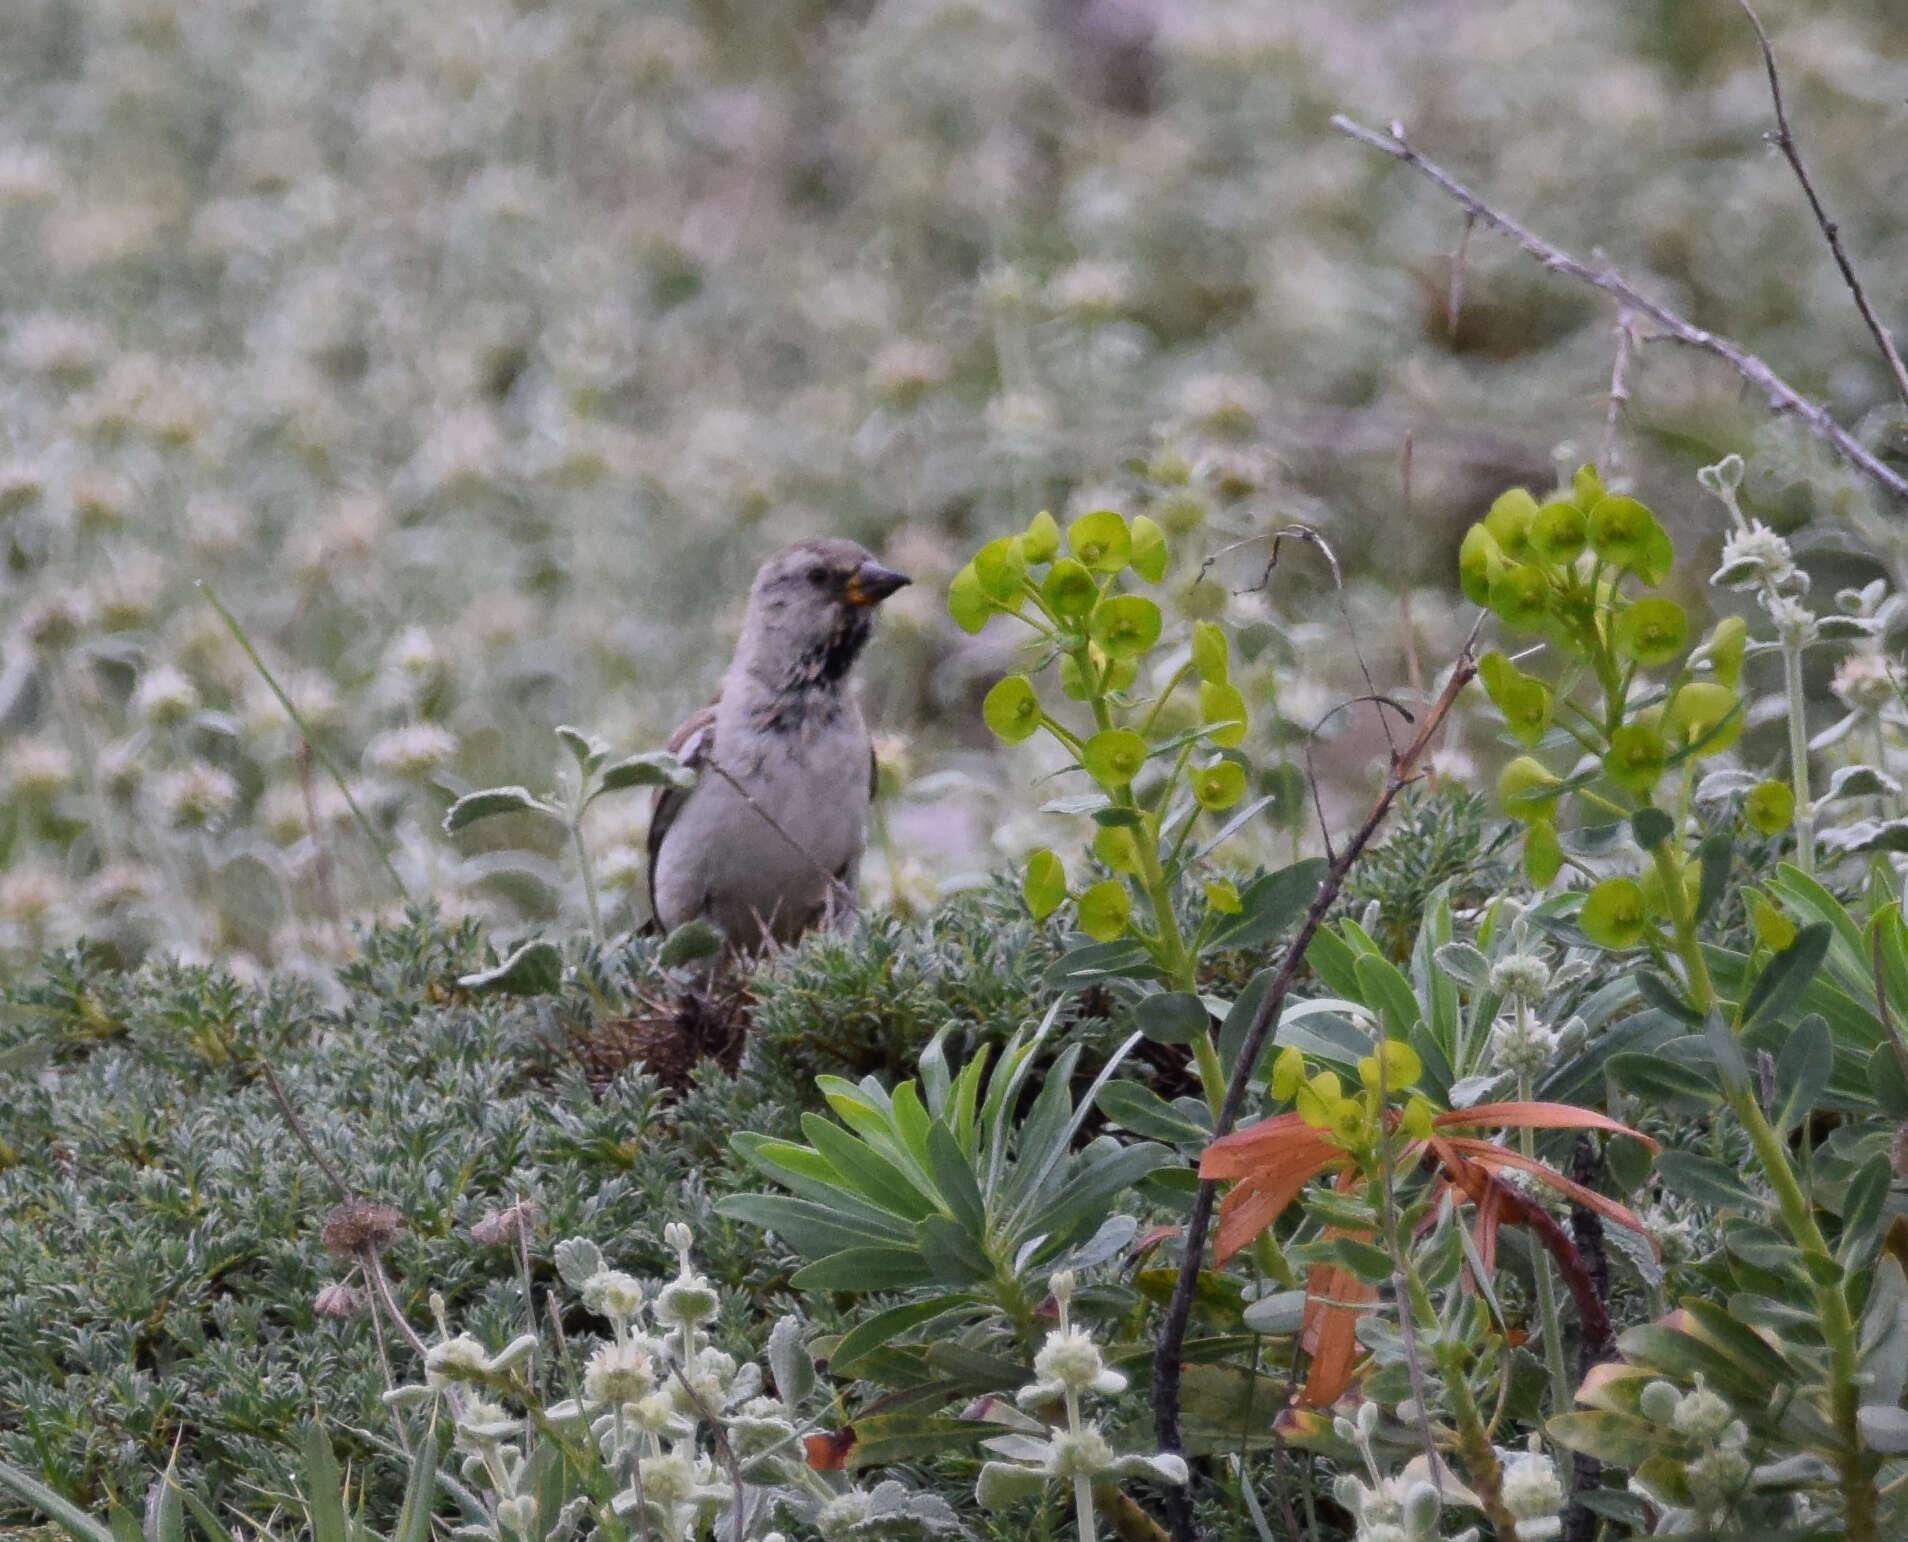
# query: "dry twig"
x,y
1781,395
1619,389
1783,138
1172,1337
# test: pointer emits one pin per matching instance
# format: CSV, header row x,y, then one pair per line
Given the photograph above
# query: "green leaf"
x,y
1383,987
884,1328
490,801
657,769
864,1269
588,753
954,1177
535,969
1863,1205
1802,1070
166,1517
1368,1262
952,1253
1673,1082
688,943
811,1229
1101,540
866,1171
324,1487
1616,1439
1787,975
1885,1075
789,1361
1651,827
1707,1182
1269,906
885,1439
1884,1429
1137,1108
1101,1178
1717,853
420,1493
1172,1017
62,1511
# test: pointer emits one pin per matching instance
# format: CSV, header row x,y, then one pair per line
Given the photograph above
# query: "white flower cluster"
x,y
1533,1493
1075,1451
1700,1427
1401,1508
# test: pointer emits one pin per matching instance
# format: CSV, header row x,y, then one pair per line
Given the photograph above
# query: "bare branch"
x,y
1784,140
1619,388
1454,297
1172,1333
1780,394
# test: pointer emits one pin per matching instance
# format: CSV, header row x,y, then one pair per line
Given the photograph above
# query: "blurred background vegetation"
x,y
474,353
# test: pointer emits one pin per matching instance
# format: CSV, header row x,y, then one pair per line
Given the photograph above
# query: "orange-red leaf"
x,y
1335,1300
1538,1116
1264,1149
1254,1204
1487,1154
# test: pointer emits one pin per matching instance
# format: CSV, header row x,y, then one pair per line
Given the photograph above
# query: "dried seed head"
x,y
505,1225
360,1223
338,1301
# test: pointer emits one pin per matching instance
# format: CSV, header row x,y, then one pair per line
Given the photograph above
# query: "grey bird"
x,y
768,841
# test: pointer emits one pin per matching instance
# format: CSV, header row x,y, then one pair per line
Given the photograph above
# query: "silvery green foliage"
x,y
666,1433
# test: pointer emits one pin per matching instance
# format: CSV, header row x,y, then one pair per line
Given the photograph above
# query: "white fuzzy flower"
x,y
620,1373
165,696
454,1360
1866,683
1078,1453
1533,1494
1794,621
1070,1362
196,796
1755,558
613,1293
1521,976
414,752
1522,1045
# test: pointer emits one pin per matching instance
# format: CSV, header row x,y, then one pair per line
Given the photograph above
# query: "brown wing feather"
x,y
667,802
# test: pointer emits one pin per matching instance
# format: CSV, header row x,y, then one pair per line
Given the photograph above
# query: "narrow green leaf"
x,y
1802,1070
324,1487
885,1327
62,1512
810,1229
865,1269
954,1177
1787,974
1171,1017
867,1172
535,969
953,1253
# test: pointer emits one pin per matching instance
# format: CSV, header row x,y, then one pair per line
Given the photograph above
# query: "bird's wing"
x,y
693,743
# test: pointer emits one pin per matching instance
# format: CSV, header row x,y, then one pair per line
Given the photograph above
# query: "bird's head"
x,y
810,611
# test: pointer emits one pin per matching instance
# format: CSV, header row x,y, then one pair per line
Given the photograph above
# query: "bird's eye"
x,y
818,576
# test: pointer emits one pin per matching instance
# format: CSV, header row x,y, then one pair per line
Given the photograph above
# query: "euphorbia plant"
x,y
1558,570
1363,1140
1159,760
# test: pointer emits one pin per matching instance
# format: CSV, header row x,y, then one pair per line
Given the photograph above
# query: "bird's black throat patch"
x,y
811,687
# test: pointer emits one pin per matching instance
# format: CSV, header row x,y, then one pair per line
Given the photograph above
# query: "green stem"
x,y
1702,992
1831,1304
1799,753
1146,728
589,879
1473,1440
324,755
1561,1391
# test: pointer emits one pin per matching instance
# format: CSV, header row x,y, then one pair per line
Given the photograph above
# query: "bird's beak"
x,y
871,583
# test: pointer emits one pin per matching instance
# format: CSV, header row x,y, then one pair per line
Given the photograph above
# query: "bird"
x,y
767,841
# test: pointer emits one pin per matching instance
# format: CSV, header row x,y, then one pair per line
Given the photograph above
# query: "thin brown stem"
x,y
380,1284
1782,396
1172,1337
1783,138
298,1129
